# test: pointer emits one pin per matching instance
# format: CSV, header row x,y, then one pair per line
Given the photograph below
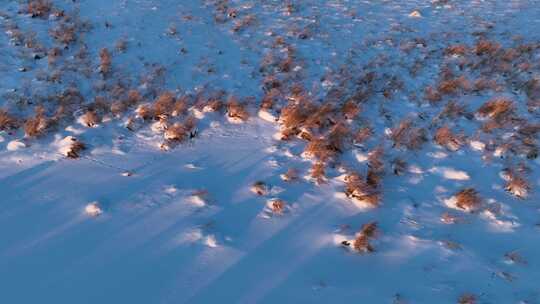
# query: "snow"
x,y
138,218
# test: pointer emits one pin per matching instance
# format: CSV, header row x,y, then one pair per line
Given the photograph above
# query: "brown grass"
x,y
432,95
235,109
358,188
39,8
177,132
468,199
7,121
496,108
163,104
318,172
91,118
486,47
467,299
362,135
406,135
259,188
105,61
516,185
75,149
320,149
457,49
446,138
361,242
350,109
37,125
278,207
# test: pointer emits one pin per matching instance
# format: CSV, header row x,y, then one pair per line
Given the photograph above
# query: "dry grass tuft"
x,y
516,185
407,135
237,110
39,8
91,118
278,206
7,121
467,299
350,109
290,176
361,242
163,104
318,172
444,137
457,50
319,148
496,108
468,199
486,47
364,191
105,61
362,135
259,188
37,125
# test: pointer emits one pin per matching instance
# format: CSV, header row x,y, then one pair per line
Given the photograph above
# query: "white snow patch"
x,y
15,145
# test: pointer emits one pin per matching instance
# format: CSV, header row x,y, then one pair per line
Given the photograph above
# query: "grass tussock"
x,y
468,199
39,8
446,138
37,125
361,243
7,121
363,190
405,134
163,104
91,118
318,172
467,299
105,61
237,110
516,184
496,108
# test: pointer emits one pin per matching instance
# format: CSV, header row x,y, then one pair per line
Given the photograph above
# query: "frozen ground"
x,y
181,224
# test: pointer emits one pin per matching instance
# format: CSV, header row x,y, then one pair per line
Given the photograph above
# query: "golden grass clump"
x,y
350,109
338,136
105,61
363,191
486,47
91,118
7,121
39,8
456,50
75,149
362,135
163,104
319,148
453,86
515,184
432,95
407,135
496,108
361,243
318,172
237,110
278,206
467,299
468,199
293,115
37,125
259,188
446,138
290,176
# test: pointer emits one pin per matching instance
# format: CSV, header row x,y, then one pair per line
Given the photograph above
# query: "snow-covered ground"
x,y
196,204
